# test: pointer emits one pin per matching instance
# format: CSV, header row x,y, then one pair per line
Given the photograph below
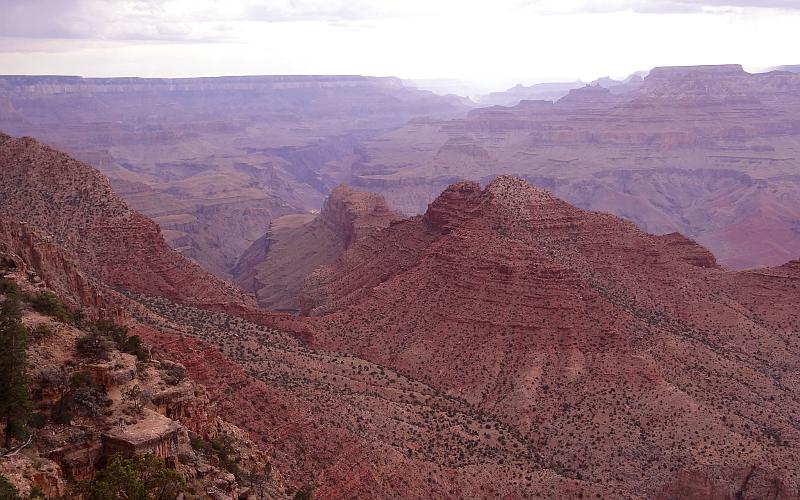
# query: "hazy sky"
x,y
528,40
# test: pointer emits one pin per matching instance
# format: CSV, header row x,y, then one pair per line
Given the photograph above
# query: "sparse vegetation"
x,y
119,335
136,398
7,490
143,477
94,346
173,373
49,304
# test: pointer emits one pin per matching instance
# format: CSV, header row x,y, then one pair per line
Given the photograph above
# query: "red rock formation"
x,y
627,357
75,207
505,344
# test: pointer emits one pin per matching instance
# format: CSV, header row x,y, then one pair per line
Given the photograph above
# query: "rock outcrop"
x,y
275,267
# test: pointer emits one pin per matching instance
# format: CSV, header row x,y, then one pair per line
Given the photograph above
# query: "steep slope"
x,y
631,360
74,206
709,151
343,425
276,265
213,160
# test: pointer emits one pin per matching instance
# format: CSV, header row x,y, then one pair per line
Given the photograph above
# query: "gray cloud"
x,y
215,21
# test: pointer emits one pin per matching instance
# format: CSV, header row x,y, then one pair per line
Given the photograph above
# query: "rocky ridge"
x,y
629,359
74,207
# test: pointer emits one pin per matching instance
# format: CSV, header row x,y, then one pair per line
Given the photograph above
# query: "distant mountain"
x,y
556,90
707,151
793,68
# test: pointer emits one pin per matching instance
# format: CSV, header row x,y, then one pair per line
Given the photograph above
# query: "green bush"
x,y
47,303
85,396
7,490
119,335
95,346
304,493
8,287
37,420
36,493
143,477
7,263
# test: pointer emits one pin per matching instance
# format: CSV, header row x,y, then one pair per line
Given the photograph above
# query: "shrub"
x,y
8,287
41,332
36,493
47,303
143,477
304,493
173,372
53,377
7,490
95,346
83,397
135,397
37,420
119,335
7,263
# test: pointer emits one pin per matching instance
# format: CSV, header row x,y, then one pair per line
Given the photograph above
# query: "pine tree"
x,y
14,400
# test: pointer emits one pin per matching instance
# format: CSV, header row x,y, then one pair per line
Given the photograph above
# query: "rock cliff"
x,y
275,267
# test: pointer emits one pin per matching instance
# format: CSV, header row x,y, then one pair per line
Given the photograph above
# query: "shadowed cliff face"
x,y
707,151
213,160
276,265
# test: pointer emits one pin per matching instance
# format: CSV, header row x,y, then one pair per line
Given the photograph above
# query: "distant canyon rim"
x,y
708,151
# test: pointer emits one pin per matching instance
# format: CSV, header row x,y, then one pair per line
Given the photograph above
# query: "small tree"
x,y
143,477
14,399
95,346
135,397
119,335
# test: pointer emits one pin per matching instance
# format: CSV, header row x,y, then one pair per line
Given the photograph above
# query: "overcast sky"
x,y
526,40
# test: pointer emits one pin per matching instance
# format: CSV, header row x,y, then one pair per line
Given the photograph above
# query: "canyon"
x,y
707,151
214,160
504,343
